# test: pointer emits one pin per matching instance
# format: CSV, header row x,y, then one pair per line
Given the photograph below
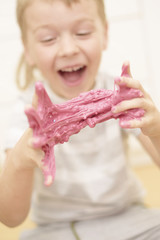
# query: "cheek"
x,y
94,50
44,59
95,58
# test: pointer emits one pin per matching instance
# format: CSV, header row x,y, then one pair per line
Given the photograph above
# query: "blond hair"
x,y
24,73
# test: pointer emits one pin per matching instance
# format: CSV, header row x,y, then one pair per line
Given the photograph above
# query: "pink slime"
x,y
55,123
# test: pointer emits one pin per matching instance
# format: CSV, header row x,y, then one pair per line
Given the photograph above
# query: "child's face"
x,y
65,44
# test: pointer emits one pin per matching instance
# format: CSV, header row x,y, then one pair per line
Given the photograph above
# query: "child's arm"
x,y
16,180
149,123
150,147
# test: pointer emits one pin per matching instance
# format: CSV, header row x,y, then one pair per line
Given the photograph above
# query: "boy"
x,y
94,187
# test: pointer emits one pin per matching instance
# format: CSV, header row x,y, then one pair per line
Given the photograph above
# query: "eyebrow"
x,y
52,25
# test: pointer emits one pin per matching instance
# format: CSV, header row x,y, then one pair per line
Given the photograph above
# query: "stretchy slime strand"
x,y
55,123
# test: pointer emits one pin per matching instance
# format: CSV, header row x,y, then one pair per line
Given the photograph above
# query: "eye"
x,y
85,33
48,39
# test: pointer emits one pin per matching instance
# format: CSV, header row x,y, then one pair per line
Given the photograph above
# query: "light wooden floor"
x,y
150,177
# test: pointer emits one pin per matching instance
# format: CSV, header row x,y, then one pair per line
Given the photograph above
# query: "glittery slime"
x,y
55,123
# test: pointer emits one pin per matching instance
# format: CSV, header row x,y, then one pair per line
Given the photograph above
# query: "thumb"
x,y
126,72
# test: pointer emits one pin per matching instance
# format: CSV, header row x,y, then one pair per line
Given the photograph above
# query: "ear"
x,y
28,57
105,40
27,53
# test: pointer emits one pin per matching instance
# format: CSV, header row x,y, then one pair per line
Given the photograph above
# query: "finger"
x,y
130,83
142,122
135,123
126,69
129,104
35,101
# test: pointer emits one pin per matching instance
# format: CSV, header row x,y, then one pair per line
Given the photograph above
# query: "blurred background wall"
x,y
134,35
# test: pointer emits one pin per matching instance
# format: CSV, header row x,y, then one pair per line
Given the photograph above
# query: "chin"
x,y
69,92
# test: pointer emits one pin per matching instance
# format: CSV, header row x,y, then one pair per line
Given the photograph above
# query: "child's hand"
x,y
150,122
24,155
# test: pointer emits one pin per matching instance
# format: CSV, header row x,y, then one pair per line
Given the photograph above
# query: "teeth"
x,y
72,69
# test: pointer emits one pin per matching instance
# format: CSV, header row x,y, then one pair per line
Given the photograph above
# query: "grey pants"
x,y
135,223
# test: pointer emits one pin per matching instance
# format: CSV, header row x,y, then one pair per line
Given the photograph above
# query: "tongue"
x,y
71,76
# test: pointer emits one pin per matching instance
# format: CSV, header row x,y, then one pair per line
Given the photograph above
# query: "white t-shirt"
x,y
92,178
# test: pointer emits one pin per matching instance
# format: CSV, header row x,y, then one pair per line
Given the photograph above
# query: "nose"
x,y
68,46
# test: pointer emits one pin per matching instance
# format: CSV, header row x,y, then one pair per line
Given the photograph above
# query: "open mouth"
x,y
72,76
